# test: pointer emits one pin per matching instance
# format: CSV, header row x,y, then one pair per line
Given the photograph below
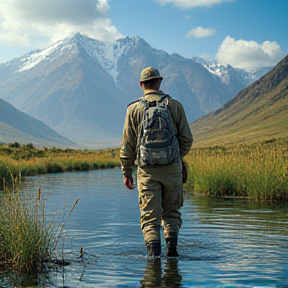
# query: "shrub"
x,y
54,168
84,166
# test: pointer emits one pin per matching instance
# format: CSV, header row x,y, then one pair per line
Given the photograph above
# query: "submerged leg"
x,y
154,248
171,239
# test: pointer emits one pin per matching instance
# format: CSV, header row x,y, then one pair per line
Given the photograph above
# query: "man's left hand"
x,y
128,182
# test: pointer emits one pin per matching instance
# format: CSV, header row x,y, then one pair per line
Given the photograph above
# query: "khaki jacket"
x,y
131,129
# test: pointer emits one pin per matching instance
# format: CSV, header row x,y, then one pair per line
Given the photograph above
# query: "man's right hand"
x,y
128,182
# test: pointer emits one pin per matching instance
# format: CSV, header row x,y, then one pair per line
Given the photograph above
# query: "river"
x,y
222,243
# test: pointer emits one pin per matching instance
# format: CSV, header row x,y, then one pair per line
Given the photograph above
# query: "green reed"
x,y
258,170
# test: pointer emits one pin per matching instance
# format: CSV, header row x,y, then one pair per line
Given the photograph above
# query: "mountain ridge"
x,y
256,113
16,126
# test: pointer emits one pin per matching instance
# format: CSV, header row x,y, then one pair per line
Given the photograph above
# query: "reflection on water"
x,y
153,276
222,243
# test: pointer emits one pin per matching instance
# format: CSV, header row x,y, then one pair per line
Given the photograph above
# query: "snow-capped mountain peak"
x,y
30,60
211,65
106,53
224,70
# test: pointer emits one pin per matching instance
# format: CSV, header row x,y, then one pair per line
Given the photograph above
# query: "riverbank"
x,y
254,170
18,161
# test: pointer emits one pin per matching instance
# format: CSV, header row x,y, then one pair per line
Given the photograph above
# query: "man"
x,y
160,187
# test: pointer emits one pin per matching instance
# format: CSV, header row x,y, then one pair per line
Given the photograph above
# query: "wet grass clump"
x,y
27,241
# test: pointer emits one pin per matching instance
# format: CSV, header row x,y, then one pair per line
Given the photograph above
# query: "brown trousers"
x,y
160,198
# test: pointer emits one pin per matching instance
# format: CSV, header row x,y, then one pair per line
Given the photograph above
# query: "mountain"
x,y
80,87
16,126
227,73
258,112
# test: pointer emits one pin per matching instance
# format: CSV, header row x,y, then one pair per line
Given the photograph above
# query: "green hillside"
x,y
259,112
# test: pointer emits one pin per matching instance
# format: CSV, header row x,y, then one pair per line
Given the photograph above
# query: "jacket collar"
x,y
154,92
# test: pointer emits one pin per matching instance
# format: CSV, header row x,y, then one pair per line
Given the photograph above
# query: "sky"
x,y
243,33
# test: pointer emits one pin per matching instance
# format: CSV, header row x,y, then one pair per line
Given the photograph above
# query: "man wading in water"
x,y
156,136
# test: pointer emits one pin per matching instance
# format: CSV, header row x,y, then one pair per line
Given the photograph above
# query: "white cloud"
x,y
186,4
25,22
249,54
200,32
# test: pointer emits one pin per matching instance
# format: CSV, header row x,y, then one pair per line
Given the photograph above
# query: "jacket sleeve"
x,y
128,147
184,134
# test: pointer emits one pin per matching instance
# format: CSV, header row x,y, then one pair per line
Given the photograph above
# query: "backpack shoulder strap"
x,y
143,101
164,100
167,97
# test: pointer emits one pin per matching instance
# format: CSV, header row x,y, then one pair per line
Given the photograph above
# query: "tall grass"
x,y
27,241
258,170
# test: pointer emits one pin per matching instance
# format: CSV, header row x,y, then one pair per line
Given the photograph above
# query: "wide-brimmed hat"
x,y
149,73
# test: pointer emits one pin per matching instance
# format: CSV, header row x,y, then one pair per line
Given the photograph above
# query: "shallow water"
x,y
222,243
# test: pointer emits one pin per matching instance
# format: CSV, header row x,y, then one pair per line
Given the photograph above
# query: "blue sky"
x,y
243,33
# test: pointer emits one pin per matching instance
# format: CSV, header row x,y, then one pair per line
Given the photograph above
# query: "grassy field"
x,y
256,170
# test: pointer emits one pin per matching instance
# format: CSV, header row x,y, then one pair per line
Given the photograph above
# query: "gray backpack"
x,y
157,142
